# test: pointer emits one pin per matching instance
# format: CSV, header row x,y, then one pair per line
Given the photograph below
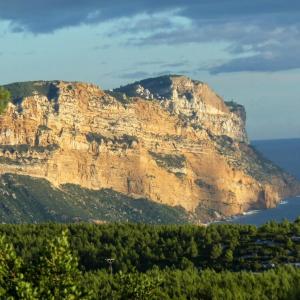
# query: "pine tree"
x,y
5,98
216,251
59,271
12,281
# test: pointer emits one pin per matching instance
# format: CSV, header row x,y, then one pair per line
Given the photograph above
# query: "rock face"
x,y
168,139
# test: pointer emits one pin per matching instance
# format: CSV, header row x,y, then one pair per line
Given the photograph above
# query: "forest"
x,y
220,261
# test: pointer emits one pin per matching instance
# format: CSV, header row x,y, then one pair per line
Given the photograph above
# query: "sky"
x,y
247,51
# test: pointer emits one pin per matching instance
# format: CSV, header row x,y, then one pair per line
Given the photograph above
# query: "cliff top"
x,y
178,93
159,87
48,88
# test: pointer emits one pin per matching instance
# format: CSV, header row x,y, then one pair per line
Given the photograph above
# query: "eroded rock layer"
x,y
169,139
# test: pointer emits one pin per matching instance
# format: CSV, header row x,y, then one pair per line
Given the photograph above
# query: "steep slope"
x,y
26,199
169,139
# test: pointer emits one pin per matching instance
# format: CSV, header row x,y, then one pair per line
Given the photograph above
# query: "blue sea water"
x,y
286,154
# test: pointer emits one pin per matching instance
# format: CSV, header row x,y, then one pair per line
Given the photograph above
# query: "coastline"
x,y
262,213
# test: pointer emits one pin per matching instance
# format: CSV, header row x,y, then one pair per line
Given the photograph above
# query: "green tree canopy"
x,y
5,98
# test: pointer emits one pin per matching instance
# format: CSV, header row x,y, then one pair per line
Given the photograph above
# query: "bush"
x,y
5,98
54,275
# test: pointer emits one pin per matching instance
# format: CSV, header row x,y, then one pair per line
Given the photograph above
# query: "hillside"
x,y
32,200
165,149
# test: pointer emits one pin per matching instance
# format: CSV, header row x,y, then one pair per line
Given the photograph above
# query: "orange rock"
x,y
184,147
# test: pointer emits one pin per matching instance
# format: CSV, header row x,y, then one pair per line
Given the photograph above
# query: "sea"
x,y
286,154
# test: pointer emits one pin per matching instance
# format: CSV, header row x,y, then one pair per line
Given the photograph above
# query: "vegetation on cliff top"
x,y
155,85
5,98
20,90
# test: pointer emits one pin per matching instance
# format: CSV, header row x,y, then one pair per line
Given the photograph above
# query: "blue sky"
x,y
248,51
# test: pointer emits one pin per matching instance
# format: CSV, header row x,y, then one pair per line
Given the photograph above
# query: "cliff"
x,y
171,140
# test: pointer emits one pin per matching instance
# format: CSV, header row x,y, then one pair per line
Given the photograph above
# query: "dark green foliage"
x,y
197,126
21,148
54,275
204,185
127,139
44,128
159,86
246,157
233,106
141,247
21,90
138,286
98,138
57,272
180,175
121,97
12,282
5,98
29,158
216,251
224,143
151,262
30,200
169,160
282,283
237,109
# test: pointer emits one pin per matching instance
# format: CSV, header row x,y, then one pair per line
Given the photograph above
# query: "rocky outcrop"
x,y
168,139
194,103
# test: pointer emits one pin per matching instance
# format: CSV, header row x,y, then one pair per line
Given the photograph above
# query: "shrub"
x,y
169,160
5,98
55,275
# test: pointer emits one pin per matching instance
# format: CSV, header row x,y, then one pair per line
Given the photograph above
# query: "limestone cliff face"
x,y
194,103
169,139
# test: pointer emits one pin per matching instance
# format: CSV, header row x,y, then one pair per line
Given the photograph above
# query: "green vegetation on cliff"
x,y
5,98
169,160
20,90
30,200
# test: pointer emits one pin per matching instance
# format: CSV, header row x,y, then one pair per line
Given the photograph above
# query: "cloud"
x,y
149,62
262,34
262,44
135,75
102,47
175,64
139,75
49,15
275,50
255,63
